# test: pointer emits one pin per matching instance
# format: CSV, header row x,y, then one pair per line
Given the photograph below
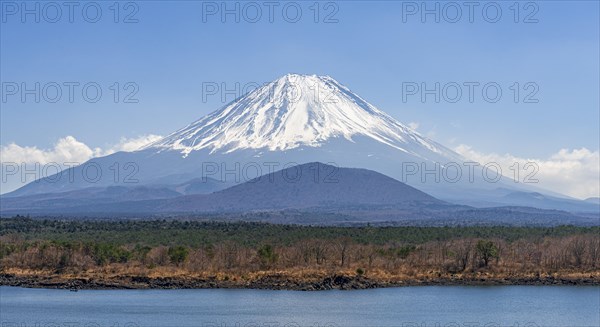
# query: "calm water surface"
x,y
409,306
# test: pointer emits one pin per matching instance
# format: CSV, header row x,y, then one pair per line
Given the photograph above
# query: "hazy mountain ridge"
x,y
313,193
303,186
293,120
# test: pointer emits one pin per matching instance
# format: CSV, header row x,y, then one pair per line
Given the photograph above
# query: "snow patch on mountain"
x,y
291,112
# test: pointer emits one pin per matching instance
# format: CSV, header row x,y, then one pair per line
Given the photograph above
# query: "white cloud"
x,y
133,144
66,152
69,149
413,125
572,172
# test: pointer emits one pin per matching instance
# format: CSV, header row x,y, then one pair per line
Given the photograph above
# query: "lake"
x,y
406,306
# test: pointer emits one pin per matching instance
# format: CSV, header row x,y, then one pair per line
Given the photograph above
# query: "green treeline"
x,y
200,233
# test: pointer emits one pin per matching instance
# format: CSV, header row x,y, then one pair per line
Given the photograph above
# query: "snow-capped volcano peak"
x,y
290,112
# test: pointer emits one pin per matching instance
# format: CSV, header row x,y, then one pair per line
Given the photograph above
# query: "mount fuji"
x,y
297,111
293,120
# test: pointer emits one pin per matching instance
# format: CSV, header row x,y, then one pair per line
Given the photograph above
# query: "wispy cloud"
x,y
413,125
573,172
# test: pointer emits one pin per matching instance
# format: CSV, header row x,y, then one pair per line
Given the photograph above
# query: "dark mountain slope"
x,y
305,186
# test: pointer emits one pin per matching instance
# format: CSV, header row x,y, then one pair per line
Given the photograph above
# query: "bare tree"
x,y
341,245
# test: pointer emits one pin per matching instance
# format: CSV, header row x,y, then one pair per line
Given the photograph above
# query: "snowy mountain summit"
x,y
290,112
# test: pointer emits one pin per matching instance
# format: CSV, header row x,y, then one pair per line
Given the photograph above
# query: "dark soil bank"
x,y
339,282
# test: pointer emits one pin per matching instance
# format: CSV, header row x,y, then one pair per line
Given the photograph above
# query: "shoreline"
x,y
277,282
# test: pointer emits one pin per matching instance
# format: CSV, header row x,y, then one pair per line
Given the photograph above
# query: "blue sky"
x,y
170,52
